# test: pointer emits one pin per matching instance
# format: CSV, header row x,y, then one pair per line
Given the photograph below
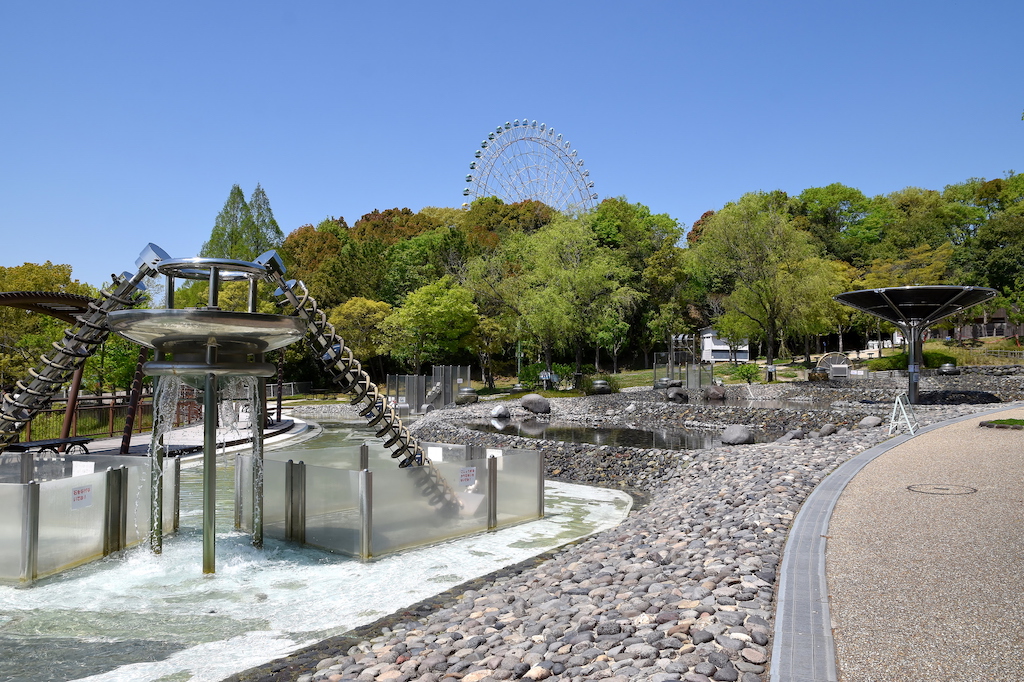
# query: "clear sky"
x,y
123,123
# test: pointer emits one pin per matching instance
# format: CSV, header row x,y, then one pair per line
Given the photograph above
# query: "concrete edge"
x,y
803,649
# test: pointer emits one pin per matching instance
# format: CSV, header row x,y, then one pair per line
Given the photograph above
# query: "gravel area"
x,y
682,590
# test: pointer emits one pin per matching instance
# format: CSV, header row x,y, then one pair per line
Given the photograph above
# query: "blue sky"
x,y
124,123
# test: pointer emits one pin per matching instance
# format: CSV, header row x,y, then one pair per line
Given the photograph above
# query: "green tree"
x,y
306,249
359,321
227,239
435,322
24,336
568,279
752,248
391,225
243,229
265,234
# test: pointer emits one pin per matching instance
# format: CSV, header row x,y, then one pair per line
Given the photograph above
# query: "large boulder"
x,y
870,422
737,434
827,430
535,403
795,434
676,395
714,392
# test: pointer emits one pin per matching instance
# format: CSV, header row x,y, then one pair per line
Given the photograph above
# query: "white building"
x,y
714,349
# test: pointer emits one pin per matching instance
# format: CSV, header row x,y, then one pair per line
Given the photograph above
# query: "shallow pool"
x,y
139,617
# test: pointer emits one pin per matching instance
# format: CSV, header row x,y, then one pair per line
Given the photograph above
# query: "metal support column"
x,y
30,533
210,473
156,485
492,493
915,357
366,514
256,421
540,485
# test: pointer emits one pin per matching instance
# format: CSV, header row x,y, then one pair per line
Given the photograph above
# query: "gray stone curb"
x,y
803,649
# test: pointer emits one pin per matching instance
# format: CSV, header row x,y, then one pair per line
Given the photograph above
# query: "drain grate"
x,y
941,489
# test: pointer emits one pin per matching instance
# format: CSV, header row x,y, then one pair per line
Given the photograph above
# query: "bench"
x,y
75,446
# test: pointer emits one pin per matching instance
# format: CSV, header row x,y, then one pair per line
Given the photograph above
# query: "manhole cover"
x,y
941,489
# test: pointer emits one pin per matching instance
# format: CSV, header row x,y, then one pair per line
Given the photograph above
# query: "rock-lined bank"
x,y
682,590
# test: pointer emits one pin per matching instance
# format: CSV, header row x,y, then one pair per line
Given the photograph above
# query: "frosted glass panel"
x,y
519,484
139,499
273,499
443,452
12,504
402,513
332,509
243,491
170,493
72,516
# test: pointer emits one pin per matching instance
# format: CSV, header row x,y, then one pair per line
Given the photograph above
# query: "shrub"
x,y
932,359
747,373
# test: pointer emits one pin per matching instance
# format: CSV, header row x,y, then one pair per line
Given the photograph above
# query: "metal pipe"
x,y
214,292
299,517
156,521
288,474
366,514
492,493
177,492
210,471
540,485
256,419
914,357
28,466
30,533
364,457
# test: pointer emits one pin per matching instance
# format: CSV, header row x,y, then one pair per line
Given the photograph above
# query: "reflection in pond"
x,y
666,439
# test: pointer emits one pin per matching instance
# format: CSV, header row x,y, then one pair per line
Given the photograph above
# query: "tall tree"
x,y
243,229
227,239
435,322
265,233
752,246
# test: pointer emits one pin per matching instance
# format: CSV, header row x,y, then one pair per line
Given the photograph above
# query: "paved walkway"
x,y
905,563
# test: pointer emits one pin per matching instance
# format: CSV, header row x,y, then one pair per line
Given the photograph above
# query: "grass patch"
x,y
1011,422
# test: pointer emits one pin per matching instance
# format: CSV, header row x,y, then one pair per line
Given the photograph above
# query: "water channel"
x,y
138,617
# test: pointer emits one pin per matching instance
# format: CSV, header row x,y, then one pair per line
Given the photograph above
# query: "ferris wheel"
x,y
523,160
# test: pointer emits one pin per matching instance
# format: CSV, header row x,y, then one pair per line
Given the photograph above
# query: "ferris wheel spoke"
x,y
524,160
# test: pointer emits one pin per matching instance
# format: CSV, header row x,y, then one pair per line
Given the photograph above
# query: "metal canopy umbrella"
x,y
913,309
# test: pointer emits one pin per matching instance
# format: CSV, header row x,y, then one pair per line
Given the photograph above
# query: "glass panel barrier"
x,y
332,509
12,506
243,492
403,516
519,481
139,497
170,495
274,497
72,518
444,452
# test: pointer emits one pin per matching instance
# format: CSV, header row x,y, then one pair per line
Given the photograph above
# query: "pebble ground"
x,y
681,590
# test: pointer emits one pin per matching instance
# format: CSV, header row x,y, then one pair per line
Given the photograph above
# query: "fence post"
x,y
366,514
111,509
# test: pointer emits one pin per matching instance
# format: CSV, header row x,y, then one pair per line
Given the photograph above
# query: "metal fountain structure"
x,y
913,309
202,345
